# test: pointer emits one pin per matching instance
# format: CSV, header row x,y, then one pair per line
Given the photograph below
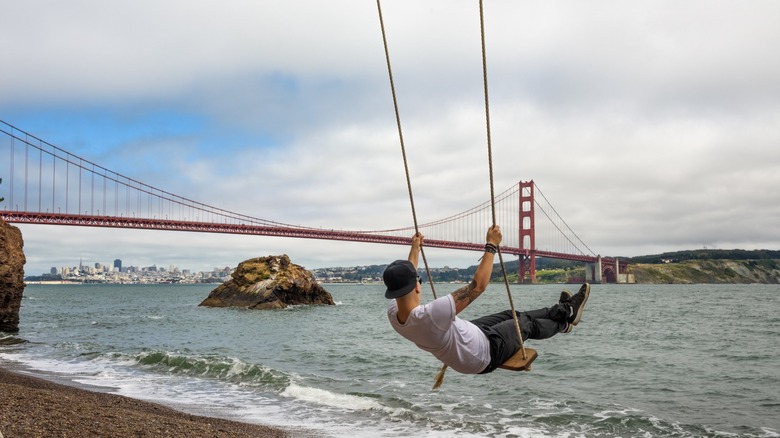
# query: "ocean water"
x,y
646,361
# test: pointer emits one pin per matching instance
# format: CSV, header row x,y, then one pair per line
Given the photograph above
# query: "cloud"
x,y
649,127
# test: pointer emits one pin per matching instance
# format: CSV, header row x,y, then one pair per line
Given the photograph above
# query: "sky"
x,y
650,126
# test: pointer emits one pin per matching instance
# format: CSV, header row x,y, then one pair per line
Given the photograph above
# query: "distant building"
x,y
118,265
53,271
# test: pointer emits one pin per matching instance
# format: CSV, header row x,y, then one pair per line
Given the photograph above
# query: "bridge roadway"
x,y
265,230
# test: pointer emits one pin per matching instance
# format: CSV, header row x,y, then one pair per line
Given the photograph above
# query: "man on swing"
x,y
470,347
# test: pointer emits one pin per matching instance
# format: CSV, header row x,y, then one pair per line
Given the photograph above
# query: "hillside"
x,y
707,254
680,267
765,271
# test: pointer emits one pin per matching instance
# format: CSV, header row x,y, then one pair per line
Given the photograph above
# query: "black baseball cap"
x,y
400,277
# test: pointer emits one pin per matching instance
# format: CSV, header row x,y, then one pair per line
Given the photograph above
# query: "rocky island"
x,y
271,282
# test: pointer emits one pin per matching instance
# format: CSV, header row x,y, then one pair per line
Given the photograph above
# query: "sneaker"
x,y
577,303
567,329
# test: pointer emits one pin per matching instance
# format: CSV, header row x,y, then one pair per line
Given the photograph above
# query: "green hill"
x,y
706,254
680,267
766,271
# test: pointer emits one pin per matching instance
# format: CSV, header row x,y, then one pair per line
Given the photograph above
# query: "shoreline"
x,y
34,406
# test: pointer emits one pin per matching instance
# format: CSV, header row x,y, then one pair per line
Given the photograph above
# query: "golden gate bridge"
x,y
45,184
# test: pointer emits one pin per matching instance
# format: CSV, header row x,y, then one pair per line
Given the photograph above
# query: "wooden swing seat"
x,y
517,363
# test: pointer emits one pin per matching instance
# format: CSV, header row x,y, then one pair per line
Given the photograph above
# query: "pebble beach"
x,y
35,407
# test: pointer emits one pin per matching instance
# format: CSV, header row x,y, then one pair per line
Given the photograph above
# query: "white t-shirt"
x,y
435,328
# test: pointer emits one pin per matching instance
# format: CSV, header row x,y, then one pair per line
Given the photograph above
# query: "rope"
x,y
440,376
490,167
403,148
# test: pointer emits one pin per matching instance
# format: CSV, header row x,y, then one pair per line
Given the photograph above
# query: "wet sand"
x,y
35,407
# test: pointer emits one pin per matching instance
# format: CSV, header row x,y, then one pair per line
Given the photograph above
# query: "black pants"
x,y
535,324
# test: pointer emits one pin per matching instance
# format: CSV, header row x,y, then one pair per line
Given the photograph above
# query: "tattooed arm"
x,y
467,294
414,251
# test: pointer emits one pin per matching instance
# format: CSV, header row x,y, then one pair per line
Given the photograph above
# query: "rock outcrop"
x,y
11,276
272,282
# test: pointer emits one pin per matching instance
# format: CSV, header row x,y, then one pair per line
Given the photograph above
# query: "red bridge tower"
x,y
526,270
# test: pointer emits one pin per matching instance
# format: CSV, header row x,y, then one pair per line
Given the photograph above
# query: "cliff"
x,y
272,282
765,271
11,276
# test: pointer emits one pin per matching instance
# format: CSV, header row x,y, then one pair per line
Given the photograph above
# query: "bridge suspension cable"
x,y
139,198
560,225
45,184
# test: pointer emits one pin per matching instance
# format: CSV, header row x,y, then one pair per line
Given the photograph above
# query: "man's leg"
x,y
568,311
488,321
542,323
536,324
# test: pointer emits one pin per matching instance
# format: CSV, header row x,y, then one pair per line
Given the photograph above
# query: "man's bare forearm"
x,y
414,251
467,294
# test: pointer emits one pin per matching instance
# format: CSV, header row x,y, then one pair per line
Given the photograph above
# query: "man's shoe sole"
x,y
577,317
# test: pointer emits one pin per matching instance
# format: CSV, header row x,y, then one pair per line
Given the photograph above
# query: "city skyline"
x,y
98,265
